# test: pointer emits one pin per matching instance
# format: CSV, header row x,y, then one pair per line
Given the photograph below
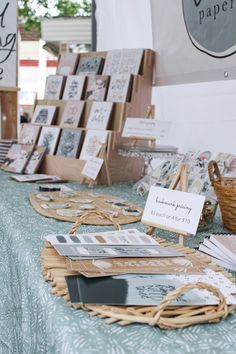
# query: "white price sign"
x,y
92,167
173,210
140,128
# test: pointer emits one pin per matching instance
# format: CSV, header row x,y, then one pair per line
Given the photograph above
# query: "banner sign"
x,y
8,43
195,40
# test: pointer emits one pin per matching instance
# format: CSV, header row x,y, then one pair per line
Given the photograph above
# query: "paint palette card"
x,y
99,115
93,141
74,87
44,114
48,138
29,134
128,290
17,158
54,87
90,65
35,160
96,88
72,114
67,64
69,143
119,88
121,237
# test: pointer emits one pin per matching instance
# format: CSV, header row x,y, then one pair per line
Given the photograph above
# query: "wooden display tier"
x,y
121,168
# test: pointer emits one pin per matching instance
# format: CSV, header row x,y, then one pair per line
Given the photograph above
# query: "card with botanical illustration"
x,y
29,134
123,61
17,158
119,88
74,87
99,115
49,138
90,65
72,114
69,143
92,143
96,87
67,64
44,115
35,160
54,87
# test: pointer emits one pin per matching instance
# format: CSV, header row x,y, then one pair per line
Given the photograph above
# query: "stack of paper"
x,y
222,249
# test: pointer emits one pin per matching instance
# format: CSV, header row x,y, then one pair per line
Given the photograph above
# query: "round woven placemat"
x,y
93,217
54,270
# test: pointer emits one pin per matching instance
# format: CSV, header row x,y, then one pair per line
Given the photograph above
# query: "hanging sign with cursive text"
x,y
8,43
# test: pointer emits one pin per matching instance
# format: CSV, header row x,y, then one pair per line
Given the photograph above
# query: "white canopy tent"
x,y
202,114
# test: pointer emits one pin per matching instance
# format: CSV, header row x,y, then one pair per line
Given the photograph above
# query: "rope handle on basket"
x,y
213,168
86,215
183,289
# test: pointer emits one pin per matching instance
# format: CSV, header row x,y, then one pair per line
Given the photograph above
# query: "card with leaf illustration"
x,y
35,159
90,65
54,87
92,143
97,88
49,138
44,115
99,115
72,114
69,143
74,87
67,64
29,134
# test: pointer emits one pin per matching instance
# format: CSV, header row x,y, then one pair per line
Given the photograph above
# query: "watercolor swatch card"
x,y
119,88
29,134
93,141
90,65
54,87
74,87
49,138
99,115
35,159
17,158
111,266
72,114
67,64
69,143
96,87
44,114
128,290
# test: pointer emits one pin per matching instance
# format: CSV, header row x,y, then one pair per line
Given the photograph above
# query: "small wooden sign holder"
x,y
151,141
181,178
103,154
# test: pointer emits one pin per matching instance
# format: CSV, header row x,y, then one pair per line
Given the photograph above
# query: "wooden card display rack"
x,y
120,168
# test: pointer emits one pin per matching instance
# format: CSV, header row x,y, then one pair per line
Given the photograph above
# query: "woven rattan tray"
x,y
95,217
168,317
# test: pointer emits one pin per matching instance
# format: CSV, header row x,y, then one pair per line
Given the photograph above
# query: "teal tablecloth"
x,y
32,321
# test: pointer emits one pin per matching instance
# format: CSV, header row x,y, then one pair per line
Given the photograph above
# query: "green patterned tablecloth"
x,y
32,321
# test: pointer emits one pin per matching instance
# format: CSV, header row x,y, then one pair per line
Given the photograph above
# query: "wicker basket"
x,y
225,189
54,270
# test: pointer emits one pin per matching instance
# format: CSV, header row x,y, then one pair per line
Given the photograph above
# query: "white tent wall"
x,y
203,115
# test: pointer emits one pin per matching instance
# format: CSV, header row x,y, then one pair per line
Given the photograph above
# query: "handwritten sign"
x,y
173,210
8,43
92,167
140,128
